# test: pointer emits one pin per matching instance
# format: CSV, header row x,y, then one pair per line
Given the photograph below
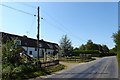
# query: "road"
x,y
106,67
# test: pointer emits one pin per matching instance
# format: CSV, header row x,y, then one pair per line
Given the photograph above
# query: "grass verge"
x,y
78,60
41,72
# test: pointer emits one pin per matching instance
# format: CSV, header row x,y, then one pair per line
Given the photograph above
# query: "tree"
x,y
65,45
105,49
89,45
10,59
116,39
76,48
93,46
82,47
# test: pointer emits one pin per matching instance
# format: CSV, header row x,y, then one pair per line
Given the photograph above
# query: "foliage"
x,y
93,46
78,52
82,47
10,55
13,65
65,45
55,68
113,50
15,68
107,54
116,38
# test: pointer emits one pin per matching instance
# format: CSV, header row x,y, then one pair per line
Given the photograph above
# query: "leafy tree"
x,y
114,49
93,46
76,48
10,59
116,38
65,45
10,54
89,45
105,49
82,47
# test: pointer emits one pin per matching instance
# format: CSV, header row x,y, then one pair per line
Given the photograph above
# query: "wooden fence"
x,y
49,63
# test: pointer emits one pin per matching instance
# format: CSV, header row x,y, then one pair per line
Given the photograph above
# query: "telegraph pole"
x,y
38,35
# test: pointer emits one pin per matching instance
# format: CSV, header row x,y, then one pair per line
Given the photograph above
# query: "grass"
x,y
76,60
55,68
118,59
42,72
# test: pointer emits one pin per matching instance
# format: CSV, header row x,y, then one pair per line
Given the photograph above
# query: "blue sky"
x,y
81,21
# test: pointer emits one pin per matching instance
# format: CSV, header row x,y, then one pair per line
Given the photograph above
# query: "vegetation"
x,y
18,67
116,38
78,52
85,51
93,48
76,59
65,45
55,68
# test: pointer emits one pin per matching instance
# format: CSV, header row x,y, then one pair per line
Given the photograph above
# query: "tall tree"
x,y
65,45
116,38
82,47
105,49
89,45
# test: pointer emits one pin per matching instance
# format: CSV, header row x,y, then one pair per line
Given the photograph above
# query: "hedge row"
x,y
96,52
86,52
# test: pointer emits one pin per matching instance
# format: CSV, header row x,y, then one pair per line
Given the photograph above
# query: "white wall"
x,y
50,51
34,53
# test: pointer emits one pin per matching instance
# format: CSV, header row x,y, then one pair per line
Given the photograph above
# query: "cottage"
x,y
30,44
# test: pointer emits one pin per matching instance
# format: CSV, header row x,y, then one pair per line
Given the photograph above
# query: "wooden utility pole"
x,y
38,35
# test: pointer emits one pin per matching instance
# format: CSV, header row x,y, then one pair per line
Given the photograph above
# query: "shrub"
x,y
7,72
78,52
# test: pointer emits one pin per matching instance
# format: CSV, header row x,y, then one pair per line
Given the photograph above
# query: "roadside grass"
x,y
40,72
118,59
0,62
77,60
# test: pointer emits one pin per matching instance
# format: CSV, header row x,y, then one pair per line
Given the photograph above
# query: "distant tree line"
x,y
89,48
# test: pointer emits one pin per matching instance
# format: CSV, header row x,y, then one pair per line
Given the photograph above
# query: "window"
x,y
30,52
35,49
48,52
17,42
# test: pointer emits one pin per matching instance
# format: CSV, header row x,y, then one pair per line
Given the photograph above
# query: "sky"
x,y
80,21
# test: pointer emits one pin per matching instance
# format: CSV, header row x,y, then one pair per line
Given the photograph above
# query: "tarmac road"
x,y
106,67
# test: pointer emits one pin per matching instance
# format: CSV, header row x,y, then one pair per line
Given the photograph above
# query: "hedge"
x,y
77,52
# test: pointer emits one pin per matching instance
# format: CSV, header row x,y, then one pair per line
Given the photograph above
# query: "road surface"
x,y
106,67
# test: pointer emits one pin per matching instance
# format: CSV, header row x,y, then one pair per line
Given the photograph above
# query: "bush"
x,y
107,54
7,72
93,52
55,68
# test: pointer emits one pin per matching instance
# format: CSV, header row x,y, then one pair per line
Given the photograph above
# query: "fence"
x,y
49,63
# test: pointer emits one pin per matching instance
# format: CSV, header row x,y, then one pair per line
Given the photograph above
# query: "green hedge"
x,y
93,52
78,52
108,54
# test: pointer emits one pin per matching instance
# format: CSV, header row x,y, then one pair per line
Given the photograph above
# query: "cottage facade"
x,y
30,44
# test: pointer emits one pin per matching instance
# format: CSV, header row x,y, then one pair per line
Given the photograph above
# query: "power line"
x,y
54,25
64,27
70,34
31,25
17,9
28,5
